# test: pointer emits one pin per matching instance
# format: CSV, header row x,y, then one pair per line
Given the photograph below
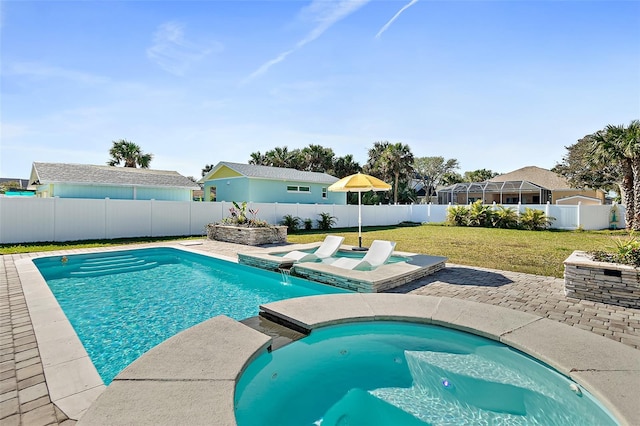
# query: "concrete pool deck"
x,y
25,396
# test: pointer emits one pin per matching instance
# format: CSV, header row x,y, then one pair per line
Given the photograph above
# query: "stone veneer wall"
x,y
601,281
246,235
262,262
365,286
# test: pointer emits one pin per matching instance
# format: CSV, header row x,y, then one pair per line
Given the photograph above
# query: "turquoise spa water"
x,y
121,304
392,373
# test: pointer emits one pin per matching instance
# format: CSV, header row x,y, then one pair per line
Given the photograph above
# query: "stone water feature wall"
x,y
604,282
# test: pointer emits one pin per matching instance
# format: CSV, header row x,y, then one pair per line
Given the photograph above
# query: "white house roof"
x,y
45,173
274,173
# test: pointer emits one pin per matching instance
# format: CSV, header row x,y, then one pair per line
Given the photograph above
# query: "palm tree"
x,y
397,163
631,150
129,153
345,166
317,158
620,145
206,169
257,158
282,157
373,166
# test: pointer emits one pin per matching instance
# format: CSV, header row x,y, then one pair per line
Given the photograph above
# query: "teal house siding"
x,y
164,194
118,183
262,184
92,192
230,189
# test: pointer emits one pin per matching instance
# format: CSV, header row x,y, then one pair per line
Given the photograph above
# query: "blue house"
x,y
119,183
263,184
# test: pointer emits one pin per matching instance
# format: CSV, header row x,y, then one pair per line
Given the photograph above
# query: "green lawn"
x,y
534,252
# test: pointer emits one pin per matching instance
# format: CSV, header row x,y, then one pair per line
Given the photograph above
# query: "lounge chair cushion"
x,y
378,254
328,248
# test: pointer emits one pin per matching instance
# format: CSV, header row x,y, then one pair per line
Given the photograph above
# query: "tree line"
x,y
608,159
392,162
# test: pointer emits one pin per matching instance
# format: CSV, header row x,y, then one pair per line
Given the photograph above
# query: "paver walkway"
x,y
24,397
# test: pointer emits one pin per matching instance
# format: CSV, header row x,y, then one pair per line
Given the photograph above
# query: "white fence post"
x,y
578,213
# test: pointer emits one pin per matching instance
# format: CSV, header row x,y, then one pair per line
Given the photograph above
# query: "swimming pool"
x,y
123,303
382,373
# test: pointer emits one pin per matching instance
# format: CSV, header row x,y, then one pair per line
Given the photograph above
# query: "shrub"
x,y
308,224
479,214
627,252
457,215
535,220
291,222
504,217
326,221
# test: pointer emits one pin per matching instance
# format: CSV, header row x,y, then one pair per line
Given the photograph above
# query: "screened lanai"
x,y
507,192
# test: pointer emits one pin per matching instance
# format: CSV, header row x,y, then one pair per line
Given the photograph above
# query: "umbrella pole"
x,y
359,219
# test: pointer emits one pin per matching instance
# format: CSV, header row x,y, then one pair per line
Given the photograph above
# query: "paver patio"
x,y
24,395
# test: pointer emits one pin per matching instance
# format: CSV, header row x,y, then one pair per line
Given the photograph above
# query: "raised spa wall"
x,y
604,282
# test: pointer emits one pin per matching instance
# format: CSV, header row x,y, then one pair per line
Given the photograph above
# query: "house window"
x,y
293,188
324,192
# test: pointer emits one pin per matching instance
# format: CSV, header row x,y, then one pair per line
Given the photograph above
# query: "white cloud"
x,y
173,52
322,14
43,71
388,24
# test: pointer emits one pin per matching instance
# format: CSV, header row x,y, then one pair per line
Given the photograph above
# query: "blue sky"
x,y
495,84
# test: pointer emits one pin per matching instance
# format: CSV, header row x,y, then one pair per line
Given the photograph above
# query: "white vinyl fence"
x,y
24,220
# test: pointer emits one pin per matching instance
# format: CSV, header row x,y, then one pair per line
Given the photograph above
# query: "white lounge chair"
x,y
378,254
328,248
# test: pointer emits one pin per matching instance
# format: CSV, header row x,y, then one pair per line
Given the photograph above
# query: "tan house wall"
x,y
559,194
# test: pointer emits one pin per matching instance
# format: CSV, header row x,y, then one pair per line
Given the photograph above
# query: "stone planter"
x,y
604,282
246,235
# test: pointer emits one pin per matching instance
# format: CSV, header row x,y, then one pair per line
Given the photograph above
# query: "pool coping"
x,y
190,378
72,380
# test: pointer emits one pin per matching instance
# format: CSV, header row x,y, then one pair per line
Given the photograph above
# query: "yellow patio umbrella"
x,y
359,183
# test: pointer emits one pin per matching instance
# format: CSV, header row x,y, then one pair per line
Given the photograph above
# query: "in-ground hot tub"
x,y
384,373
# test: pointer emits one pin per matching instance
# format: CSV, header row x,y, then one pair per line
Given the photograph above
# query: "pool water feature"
x,y
121,304
383,373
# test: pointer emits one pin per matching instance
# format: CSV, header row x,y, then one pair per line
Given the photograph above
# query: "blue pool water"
x,y
121,304
392,373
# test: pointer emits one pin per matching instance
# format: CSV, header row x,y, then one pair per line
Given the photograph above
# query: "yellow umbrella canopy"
x,y
359,183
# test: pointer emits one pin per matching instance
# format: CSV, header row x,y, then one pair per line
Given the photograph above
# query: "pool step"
x,y
122,263
114,269
108,260
112,265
